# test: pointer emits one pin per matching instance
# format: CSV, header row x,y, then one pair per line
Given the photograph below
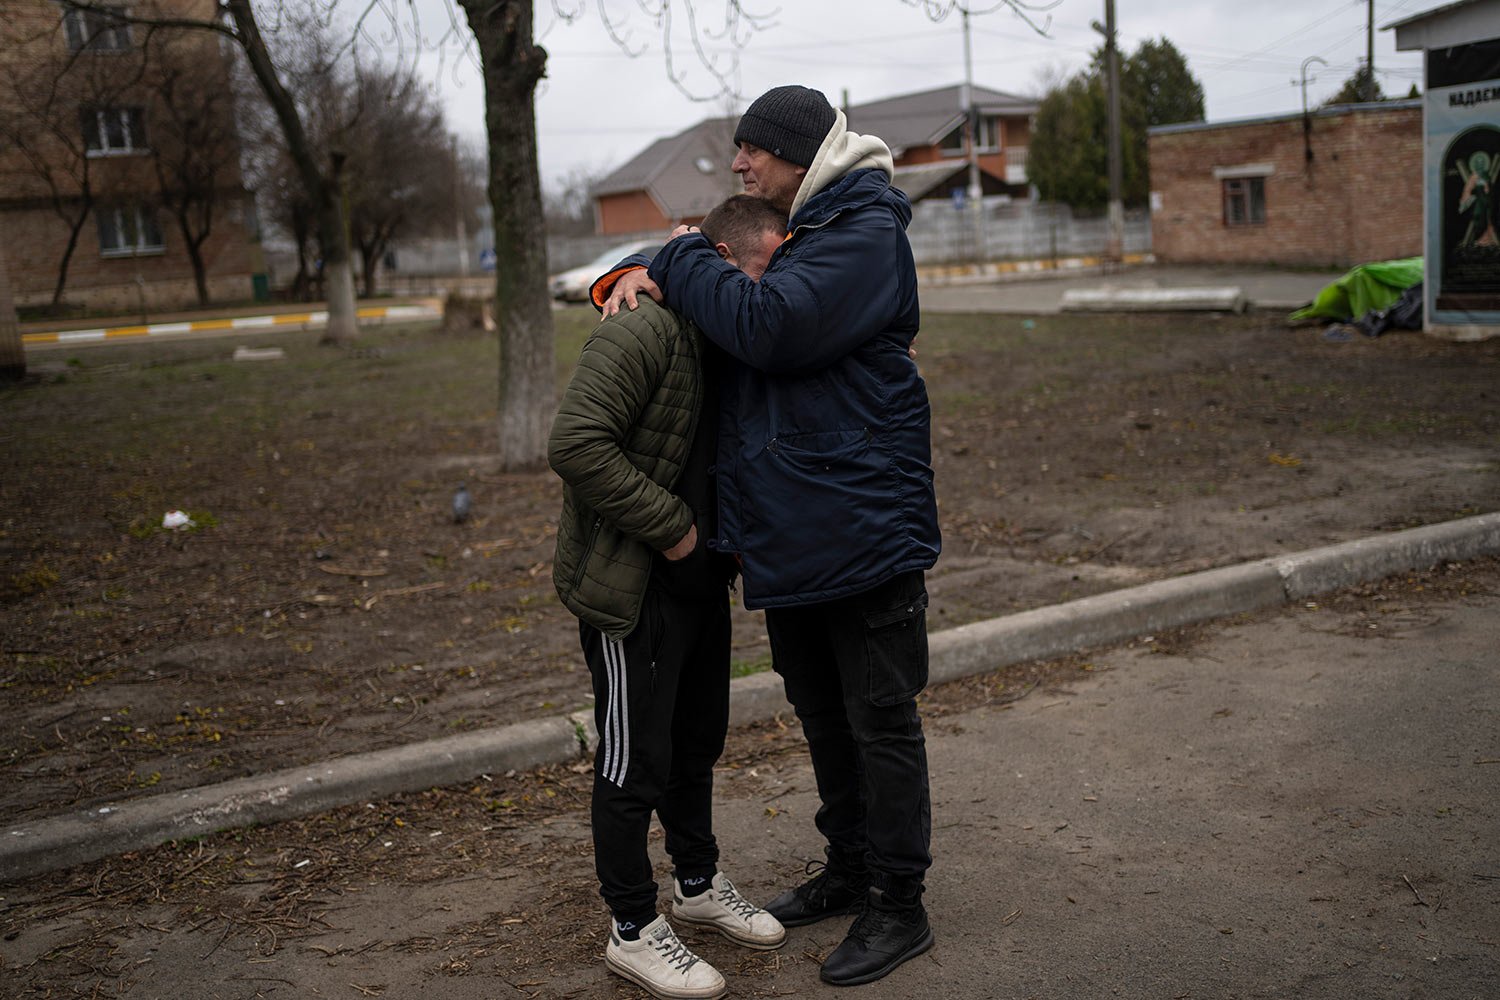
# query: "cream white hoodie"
x,y
842,151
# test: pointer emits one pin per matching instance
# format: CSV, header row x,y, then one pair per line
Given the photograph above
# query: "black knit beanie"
x,y
789,122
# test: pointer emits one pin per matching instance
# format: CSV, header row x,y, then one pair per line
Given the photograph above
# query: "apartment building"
x,y
120,182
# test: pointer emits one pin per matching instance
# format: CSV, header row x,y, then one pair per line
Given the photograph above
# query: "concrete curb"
x,y
132,824
74,838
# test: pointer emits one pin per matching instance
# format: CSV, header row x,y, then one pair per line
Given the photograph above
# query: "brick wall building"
x,y
96,131
1249,192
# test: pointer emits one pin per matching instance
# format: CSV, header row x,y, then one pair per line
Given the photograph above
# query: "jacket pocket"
x,y
586,551
896,650
814,506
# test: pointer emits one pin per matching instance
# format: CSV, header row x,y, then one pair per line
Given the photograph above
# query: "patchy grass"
x,y
327,603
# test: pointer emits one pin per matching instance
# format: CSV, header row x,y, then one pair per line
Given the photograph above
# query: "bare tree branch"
x,y
1026,10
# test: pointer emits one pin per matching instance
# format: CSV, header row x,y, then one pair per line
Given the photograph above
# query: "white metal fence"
x,y
940,233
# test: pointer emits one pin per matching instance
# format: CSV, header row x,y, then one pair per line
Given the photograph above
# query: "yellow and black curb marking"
x,y
258,324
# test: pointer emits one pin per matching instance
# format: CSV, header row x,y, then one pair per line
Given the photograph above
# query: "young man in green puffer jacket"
x,y
634,450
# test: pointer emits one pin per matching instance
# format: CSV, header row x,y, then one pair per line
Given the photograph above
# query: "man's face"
x,y
768,176
755,259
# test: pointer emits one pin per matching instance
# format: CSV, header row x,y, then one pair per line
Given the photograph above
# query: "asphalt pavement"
x,y
1298,805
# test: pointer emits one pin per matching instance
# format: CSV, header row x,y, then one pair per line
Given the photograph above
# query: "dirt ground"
x,y
485,891
324,603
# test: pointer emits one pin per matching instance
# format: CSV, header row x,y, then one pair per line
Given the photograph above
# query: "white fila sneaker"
x,y
723,909
662,965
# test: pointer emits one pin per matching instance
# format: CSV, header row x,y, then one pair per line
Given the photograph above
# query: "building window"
x,y
952,144
99,29
128,230
1244,201
111,131
989,134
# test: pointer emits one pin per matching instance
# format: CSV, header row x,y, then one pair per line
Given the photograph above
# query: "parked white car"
x,y
573,285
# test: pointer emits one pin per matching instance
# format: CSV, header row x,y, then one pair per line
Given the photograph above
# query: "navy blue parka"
x,y
824,465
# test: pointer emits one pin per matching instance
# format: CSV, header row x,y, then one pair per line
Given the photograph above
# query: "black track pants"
x,y
661,705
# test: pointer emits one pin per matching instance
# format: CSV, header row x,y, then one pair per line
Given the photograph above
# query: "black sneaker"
x,y
829,893
886,934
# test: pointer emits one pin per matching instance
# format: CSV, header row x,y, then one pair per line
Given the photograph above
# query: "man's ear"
x,y
722,249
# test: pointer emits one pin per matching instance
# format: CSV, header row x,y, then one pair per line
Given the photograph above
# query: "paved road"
x,y
1265,288
1302,804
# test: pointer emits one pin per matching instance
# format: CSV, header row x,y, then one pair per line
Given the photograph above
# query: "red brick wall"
x,y
1359,199
32,47
921,154
632,212
99,282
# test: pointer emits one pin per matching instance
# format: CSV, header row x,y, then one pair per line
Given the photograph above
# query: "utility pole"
x,y
971,129
1115,249
1369,94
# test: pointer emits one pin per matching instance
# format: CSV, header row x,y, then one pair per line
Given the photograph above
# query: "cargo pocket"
x,y
896,651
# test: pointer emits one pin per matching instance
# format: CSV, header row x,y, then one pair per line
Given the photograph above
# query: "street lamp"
x,y
1307,153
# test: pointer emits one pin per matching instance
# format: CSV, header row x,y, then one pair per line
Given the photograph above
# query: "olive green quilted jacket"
x,y
619,442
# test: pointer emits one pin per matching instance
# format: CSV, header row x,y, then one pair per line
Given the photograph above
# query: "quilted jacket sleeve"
x,y
595,444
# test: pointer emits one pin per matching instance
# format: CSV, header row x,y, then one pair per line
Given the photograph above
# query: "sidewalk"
x,y
1298,806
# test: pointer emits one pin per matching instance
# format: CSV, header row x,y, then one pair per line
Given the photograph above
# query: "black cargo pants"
x,y
852,669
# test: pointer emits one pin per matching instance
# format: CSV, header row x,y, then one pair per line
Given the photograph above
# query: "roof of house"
x,y
918,181
688,173
923,118
1459,23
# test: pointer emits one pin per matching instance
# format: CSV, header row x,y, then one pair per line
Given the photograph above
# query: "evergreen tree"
x,y
1361,87
1069,157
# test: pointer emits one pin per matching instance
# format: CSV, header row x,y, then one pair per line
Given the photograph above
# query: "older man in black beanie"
x,y
826,496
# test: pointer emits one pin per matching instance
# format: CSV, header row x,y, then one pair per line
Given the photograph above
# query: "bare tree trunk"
x,y
193,243
368,256
74,228
513,64
12,352
342,303
302,283
322,191
200,269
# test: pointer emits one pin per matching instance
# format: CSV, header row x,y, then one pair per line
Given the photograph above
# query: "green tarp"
x,y
1366,287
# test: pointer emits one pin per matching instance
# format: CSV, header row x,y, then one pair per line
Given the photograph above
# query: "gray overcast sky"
x,y
599,106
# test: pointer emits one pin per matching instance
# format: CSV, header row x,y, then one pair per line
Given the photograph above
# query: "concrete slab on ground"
x,y
1263,288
